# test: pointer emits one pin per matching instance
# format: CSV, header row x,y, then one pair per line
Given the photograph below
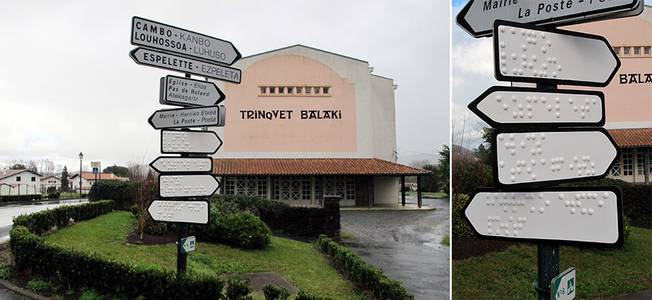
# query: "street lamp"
x,y
81,156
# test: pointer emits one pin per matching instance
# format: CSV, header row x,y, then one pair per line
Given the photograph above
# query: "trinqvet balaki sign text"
x,y
291,114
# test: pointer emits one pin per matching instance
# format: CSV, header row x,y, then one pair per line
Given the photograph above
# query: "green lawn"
x,y
429,194
299,262
600,273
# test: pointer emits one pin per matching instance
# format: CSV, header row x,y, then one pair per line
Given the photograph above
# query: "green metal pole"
x,y
547,268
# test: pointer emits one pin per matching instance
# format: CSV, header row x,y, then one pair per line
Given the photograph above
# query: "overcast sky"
x,y
68,85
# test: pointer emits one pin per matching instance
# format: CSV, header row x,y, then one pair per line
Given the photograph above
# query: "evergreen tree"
x,y
64,179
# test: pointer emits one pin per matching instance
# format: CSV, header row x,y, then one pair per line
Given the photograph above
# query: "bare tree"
x,y
144,191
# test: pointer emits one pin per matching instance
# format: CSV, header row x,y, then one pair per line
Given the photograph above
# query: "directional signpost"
x,y
163,60
189,92
546,157
544,135
188,117
185,181
527,54
478,16
173,164
194,212
513,106
181,141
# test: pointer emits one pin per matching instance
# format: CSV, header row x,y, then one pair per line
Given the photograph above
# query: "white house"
x,y
89,178
19,182
51,181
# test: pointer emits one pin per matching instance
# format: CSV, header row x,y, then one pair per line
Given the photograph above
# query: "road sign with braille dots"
x,y
529,54
552,156
572,215
515,106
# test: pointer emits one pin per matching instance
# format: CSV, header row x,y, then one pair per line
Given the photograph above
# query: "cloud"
x,y
475,57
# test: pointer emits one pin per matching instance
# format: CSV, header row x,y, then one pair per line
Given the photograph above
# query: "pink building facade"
x,y
629,95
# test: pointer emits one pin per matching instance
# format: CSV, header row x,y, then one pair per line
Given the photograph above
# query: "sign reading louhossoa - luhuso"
x,y
169,38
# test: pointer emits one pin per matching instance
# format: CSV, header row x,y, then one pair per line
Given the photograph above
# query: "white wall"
x,y
23,187
386,190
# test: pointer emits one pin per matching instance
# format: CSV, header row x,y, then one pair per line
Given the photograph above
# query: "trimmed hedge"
x,y
82,270
119,191
17,198
43,221
279,216
361,273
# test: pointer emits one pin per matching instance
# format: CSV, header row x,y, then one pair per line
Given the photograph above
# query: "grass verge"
x,y
600,273
299,262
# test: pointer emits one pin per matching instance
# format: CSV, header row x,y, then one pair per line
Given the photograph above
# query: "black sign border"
x,y
164,87
494,155
619,203
501,77
208,207
133,19
132,54
461,21
473,106
151,165
206,132
158,193
149,120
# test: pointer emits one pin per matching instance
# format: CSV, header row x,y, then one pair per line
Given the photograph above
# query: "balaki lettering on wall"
x,y
290,114
634,78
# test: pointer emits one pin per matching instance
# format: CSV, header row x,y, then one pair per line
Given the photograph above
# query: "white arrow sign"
x,y
591,215
155,58
163,164
535,157
174,186
203,116
189,92
527,54
478,16
180,141
165,37
505,106
195,212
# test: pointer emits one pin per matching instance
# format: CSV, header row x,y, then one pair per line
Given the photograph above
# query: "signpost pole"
x,y
547,253
547,268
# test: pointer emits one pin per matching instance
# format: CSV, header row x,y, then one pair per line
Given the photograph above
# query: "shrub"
x,y
469,173
461,227
4,271
43,221
79,269
121,192
240,229
38,286
275,292
361,273
91,295
301,221
237,289
155,228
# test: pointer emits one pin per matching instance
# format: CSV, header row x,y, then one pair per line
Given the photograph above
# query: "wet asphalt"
x,y
406,245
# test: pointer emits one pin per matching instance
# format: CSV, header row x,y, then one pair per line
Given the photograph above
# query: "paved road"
x,y
406,245
8,212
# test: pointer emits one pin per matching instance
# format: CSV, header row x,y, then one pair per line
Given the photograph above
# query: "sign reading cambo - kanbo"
x,y
152,34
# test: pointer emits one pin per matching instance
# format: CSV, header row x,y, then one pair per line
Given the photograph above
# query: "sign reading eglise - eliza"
x,y
315,114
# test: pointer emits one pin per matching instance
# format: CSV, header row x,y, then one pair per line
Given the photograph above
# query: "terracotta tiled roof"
x,y
101,176
632,137
310,166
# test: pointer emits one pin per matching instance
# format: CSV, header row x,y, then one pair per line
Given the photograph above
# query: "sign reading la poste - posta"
x,y
203,116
